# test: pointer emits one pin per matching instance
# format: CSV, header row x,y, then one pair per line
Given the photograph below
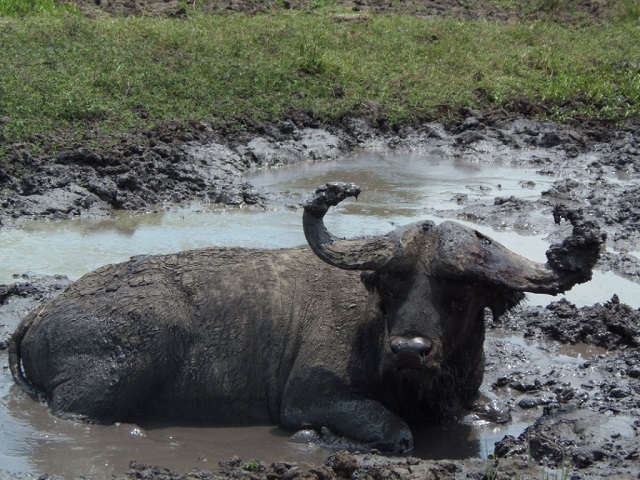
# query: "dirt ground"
x,y
575,11
587,428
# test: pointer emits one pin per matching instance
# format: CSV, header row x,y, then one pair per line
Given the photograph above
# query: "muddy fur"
x,y
164,347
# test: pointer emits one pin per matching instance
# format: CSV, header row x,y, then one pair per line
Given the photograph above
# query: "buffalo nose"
x,y
410,347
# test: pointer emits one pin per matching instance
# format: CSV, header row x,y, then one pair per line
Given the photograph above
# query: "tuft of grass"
x,y
252,466
628,10
312,58
68,71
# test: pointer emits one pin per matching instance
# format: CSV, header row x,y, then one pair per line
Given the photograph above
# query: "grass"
x,y
628,10
22,8
62,70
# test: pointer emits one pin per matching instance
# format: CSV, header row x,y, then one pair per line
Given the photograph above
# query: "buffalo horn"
x,y
455,251
352,254
466,253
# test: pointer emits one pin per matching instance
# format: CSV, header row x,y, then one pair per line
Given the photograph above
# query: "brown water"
x,y
396,190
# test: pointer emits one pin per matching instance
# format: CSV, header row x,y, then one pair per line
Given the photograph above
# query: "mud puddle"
x,y
405,184
397,189
36,442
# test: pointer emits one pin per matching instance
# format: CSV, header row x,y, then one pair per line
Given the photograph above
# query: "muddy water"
x,y
396,190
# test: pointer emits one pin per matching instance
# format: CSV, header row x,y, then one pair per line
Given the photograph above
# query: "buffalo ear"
x,y
505,300
370,280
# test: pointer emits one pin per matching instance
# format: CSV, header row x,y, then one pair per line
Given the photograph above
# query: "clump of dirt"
x,y
589,422
612,326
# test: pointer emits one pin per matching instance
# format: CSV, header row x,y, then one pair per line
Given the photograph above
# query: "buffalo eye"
x,y
392,287
455,297
387,297
388,294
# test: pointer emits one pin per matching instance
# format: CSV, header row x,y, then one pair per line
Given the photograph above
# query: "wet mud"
x,y
171,163
584,421
595,168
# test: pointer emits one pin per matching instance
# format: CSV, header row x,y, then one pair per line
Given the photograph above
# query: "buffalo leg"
x,y
87,397
98,391
363,421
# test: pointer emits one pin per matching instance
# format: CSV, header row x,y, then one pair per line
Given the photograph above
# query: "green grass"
x,y
61,70
628,10
22,8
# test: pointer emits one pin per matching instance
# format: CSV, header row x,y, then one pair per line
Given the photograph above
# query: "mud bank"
x,y
170,164
595,168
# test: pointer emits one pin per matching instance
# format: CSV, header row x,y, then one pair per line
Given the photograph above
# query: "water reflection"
x,y
409,183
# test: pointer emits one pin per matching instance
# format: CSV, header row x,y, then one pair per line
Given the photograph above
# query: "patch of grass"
x,y
68,71
22,8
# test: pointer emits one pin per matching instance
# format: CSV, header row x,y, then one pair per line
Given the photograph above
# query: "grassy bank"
x,y
60,69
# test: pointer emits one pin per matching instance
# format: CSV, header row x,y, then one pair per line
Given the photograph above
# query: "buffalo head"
x,y
434,283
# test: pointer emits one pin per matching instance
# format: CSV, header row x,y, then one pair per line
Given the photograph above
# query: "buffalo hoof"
x,y
325,438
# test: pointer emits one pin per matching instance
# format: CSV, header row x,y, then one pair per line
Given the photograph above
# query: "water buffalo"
x,y
357,336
